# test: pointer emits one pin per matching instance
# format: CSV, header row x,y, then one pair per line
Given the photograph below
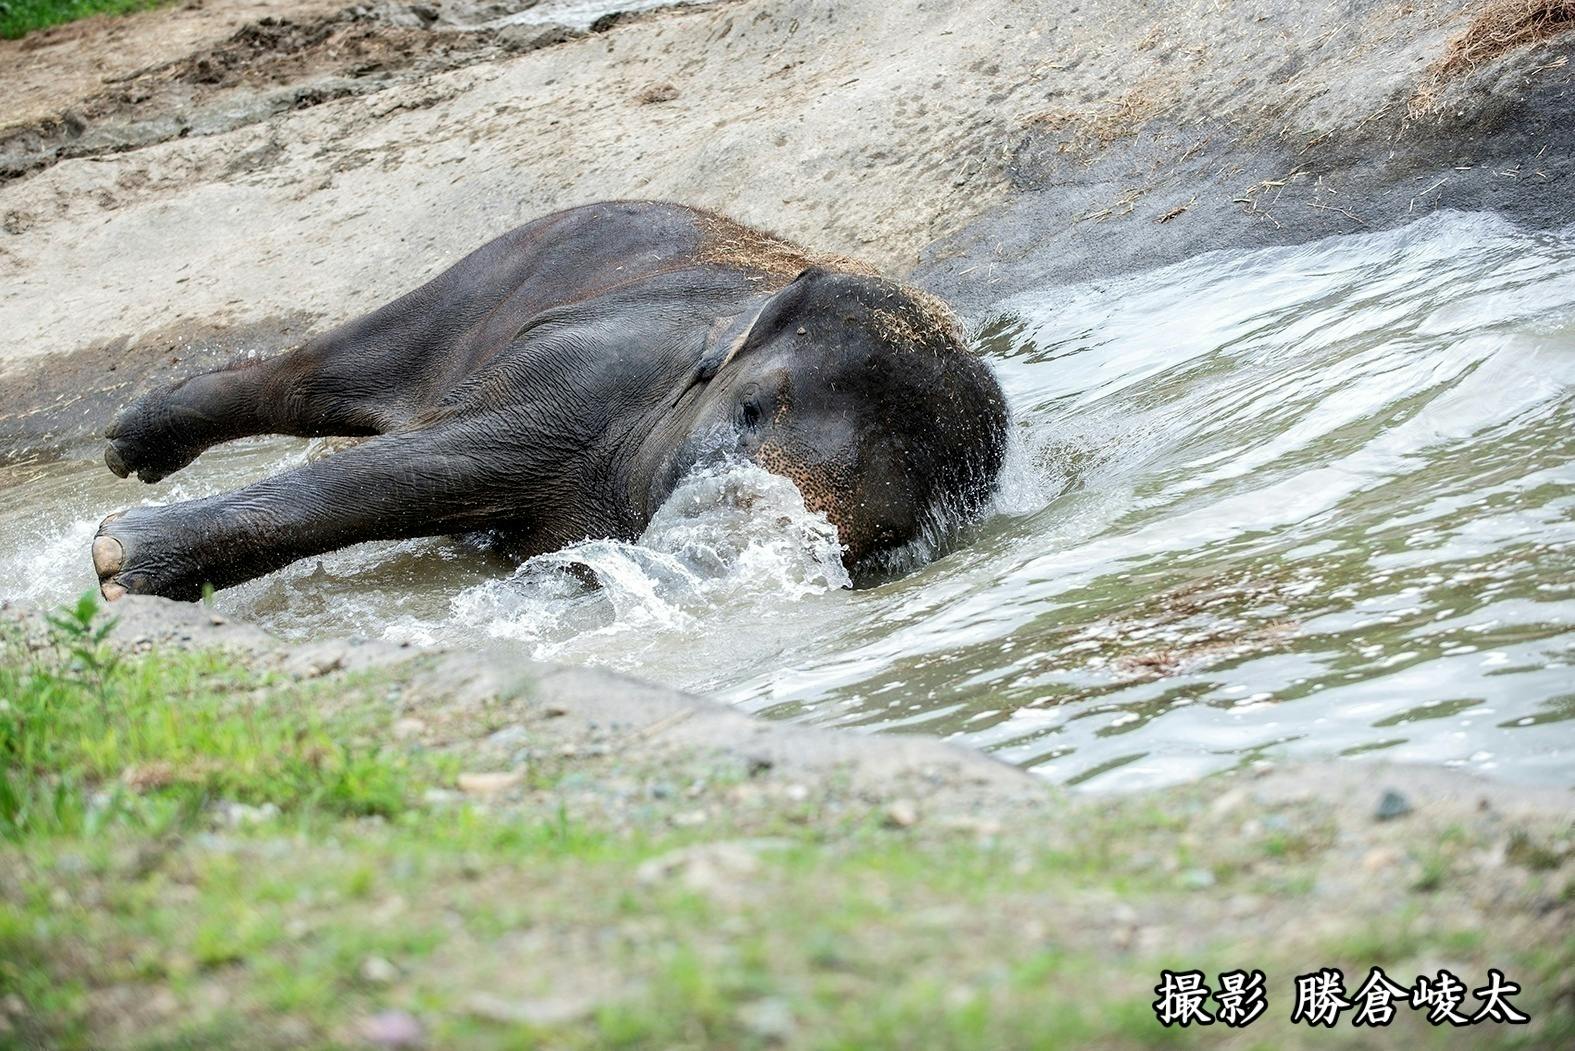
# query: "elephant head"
x,y
860,391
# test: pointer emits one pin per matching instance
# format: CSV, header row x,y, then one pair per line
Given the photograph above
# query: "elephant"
x,y
556,385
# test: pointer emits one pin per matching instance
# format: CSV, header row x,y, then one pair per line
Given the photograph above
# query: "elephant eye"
x,y
749,415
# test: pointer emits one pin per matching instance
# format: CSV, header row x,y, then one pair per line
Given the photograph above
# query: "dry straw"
x,y
1500,26
1503,25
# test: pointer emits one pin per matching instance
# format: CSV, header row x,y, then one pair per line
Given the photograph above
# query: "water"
x,y
580,14
1302,502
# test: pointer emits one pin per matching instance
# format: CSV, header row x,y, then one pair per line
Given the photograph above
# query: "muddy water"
x,y
1297,502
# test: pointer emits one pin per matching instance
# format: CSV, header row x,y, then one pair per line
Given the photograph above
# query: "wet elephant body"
x,y
556,384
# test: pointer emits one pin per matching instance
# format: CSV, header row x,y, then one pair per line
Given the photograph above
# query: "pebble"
x,y
1227,801
983,827
708,867
394,1029
545,1012
903,813
1244,905
324,665
378,971
1379,858
490,783
508,737
689,818
1391,806
770,1019
239,815
163,1003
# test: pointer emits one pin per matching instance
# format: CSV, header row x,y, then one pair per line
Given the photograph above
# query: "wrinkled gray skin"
x,y
555,385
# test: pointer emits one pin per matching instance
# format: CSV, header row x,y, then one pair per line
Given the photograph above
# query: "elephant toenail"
x,y
108,556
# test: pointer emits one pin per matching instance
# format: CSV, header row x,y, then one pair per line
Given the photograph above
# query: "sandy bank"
x,y
268,180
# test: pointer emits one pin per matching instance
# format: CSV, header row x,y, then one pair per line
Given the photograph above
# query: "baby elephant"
x,y
556,385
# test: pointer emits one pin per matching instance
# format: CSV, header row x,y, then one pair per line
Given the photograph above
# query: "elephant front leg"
x,y
294,394
167,429
422,483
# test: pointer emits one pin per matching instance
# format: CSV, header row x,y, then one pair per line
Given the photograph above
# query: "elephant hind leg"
x,y
447,479
378,373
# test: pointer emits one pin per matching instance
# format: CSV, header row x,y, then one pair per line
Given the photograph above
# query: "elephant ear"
x,y
752,328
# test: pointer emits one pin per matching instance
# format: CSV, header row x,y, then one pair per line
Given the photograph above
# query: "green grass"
x,y
20,17
88,742
137,912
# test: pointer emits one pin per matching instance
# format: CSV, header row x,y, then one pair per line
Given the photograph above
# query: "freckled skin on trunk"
x,y
555,385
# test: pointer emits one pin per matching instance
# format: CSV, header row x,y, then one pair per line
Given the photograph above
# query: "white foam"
x,y
729,536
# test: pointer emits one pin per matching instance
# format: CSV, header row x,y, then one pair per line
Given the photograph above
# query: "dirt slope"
x,y
202,180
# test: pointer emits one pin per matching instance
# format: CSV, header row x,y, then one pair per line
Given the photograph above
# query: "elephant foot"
x,y
132,554
126,455
156,437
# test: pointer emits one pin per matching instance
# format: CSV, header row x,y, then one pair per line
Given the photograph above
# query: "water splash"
x,y
731,537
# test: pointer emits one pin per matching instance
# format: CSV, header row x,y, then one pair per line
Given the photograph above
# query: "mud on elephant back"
x,y
556,384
